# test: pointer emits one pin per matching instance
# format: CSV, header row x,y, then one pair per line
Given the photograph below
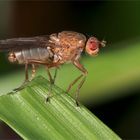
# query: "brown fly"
x,y
52,51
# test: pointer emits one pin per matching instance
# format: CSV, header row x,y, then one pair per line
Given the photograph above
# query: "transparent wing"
x,y
24,43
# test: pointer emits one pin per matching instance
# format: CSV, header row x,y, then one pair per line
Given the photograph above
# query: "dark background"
x,y
113,20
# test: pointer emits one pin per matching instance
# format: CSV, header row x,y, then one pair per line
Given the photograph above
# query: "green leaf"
x,y
59,119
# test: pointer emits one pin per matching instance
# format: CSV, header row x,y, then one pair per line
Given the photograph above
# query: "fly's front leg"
x,y
78,90
74,82
82,77
84,71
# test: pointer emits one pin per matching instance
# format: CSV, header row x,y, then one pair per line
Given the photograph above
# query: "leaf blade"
x,y
58,119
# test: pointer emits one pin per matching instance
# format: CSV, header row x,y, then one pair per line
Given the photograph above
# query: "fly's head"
x,y
11,57
93,45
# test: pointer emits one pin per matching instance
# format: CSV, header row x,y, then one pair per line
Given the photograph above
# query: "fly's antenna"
x,y
103,42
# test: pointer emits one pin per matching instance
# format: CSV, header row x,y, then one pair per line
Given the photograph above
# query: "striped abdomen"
x,y
42,54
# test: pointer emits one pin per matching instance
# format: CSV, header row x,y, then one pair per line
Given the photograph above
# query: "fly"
x,y
52,51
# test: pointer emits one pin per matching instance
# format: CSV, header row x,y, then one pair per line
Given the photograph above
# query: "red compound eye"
x,y
93,45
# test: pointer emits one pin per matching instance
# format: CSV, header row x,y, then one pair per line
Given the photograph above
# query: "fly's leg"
x,y
33,71
52,80
26,78
26,73
74,82
50,77
33,62
82,77
55,74
78,90
84,71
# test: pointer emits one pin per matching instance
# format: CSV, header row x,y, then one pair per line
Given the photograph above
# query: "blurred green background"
x,y
112,89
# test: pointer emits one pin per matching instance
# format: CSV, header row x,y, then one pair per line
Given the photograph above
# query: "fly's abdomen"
x,y
42,54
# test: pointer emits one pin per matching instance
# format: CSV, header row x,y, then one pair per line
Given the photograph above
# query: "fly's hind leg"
x,y
26,78
34,61
33,71
28,61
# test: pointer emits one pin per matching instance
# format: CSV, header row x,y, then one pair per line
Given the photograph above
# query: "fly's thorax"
x,y
71,39
42,54
67,45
